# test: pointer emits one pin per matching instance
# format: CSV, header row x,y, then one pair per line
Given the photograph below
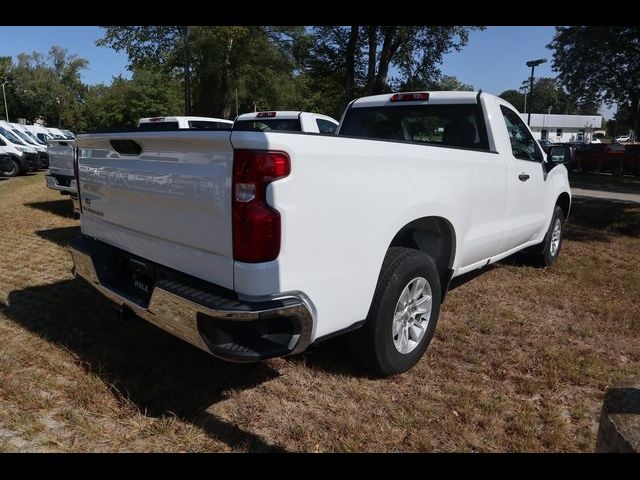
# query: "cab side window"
x,y
325,126
523,145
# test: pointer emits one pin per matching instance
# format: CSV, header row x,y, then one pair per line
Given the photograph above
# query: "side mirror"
x,y
560,154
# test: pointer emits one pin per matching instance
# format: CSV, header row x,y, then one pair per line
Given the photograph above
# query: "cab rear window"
x,y
159,126
446,125
267,125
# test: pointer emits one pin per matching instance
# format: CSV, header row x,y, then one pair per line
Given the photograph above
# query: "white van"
x,y
27,140
23,158
56,133
40,132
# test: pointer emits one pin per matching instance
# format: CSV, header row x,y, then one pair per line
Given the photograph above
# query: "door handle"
x,y
523,177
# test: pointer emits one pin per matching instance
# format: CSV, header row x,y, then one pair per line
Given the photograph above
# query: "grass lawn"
x,y
520,360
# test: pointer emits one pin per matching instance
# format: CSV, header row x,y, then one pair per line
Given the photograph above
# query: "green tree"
x,y
600,63
360,59
515,98
48,87
233,67
147,94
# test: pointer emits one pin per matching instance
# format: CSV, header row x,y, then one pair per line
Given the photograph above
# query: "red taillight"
x,y
256,225
266,114
409,97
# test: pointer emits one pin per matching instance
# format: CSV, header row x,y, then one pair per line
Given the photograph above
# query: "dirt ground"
x,y
520,360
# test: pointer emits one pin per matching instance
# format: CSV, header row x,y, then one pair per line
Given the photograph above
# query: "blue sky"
x,y
494,59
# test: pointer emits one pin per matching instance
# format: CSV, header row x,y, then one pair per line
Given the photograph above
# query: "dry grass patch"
x,y
520,360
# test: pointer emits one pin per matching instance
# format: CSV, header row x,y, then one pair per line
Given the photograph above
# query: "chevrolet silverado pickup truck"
x,y
257,244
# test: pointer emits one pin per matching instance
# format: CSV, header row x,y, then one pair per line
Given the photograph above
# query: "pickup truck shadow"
x,y
597,219
60,235
159,373
63,208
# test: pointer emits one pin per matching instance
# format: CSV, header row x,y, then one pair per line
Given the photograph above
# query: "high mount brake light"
x,y
256,225
266,114
156,119
409,97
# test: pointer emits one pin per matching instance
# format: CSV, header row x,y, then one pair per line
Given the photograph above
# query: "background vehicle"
x,y
254,244
6,165
39,131
546,145
43,155
623,138
56,133
24,158
286,121
173,123
601,157
61,175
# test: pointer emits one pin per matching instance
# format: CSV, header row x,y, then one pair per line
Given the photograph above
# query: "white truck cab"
x,y
289,121
184,123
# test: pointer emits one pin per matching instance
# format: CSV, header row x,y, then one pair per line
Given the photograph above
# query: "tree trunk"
x,y
372,32
385,58
350,59
226,84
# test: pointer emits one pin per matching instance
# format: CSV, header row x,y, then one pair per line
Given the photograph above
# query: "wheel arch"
x,y
435,236
564,202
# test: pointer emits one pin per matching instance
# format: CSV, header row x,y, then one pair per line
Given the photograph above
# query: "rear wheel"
x,y
403,316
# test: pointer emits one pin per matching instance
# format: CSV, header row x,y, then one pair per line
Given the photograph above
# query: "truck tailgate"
x,y
61,157
164,196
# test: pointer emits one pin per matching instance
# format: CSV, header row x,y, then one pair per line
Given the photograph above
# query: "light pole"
x,y
187,73
6,110
523,87
533,64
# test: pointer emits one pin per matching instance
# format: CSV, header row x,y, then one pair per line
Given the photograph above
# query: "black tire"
x,y
546,255
14,171
373,345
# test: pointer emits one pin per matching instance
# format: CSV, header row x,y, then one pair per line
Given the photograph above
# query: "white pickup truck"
x,y
251,244
284,120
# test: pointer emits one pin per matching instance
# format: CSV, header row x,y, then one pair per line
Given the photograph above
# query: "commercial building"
x,y
563,128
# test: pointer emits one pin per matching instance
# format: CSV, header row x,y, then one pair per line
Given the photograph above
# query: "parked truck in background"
x,y
254,244
286,121
183,123
61,175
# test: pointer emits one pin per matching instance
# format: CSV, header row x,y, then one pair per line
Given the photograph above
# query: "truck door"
x,y
527,182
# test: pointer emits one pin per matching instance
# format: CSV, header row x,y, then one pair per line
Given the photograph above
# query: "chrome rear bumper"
x,y
221,325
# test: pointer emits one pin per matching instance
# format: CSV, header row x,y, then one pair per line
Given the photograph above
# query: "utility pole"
x,y
532,64
523,88
6,110
187,73
236,101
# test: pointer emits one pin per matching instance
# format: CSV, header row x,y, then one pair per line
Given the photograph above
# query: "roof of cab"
x,y
281,114
435,98
160,119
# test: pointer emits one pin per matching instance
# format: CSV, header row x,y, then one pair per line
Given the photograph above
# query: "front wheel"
x,y
403,316
14,169
553,240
